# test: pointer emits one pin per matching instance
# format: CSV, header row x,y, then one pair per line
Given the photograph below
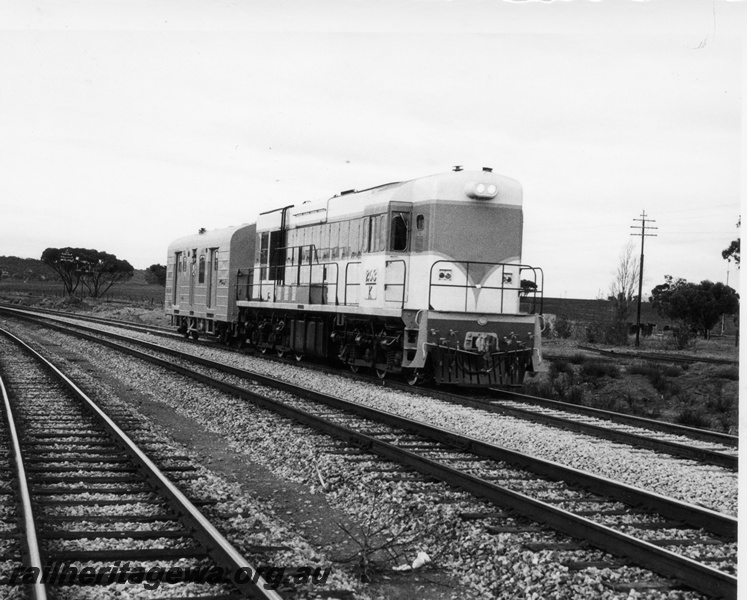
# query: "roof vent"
x,y
458,168
345,192
488,169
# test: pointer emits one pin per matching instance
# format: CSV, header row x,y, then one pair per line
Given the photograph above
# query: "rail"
x,y
30,542
693,573
217,546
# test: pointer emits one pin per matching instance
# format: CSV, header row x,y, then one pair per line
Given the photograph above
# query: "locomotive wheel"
x,y
263,350
355,368
195,335
281,353
298,356
381,373
415,377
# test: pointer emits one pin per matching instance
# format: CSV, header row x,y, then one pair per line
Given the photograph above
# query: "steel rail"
x,y
705,435
152,329
30,540
696,575
674,448
680,449
660,357
218,547
715,522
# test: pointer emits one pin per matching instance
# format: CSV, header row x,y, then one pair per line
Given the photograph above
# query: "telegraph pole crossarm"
x,y
643,234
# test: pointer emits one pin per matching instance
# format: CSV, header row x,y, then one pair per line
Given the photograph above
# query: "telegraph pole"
x,y
643,234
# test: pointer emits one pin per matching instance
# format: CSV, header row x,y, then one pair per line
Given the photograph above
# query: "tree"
x,y
103,271
527,287
695,306
623,292
64,262
97,271
156,274
734,249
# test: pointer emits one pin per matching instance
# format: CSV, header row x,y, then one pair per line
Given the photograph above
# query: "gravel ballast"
x,y
487,564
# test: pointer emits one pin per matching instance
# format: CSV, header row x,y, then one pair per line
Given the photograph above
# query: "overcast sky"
x,y
126,124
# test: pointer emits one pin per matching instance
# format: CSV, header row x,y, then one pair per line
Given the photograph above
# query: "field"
x,y
135,291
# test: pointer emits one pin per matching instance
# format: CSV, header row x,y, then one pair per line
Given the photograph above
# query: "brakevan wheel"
x,y
298,356
355,368
381,373
280,353
195,335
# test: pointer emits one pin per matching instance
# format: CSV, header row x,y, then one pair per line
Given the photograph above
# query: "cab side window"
x,y
399,232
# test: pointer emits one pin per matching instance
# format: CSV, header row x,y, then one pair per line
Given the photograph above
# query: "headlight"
x,y
481,190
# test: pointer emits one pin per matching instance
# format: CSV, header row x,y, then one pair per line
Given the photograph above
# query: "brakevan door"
x,y
192,264
212,278
176,279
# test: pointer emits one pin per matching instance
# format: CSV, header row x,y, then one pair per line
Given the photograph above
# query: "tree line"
x,y
96,271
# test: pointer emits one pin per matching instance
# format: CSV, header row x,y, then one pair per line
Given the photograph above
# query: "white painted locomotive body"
x,y
392,275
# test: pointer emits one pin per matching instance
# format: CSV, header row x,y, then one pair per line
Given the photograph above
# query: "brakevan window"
x,y
201,272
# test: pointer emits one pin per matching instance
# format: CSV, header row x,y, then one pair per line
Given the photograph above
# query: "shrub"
x,y
693,417
684,337
563,327
573,394
731,373
672,370
559,366
541,388
642,407
616,333
642,368
597,368
578,358
595,332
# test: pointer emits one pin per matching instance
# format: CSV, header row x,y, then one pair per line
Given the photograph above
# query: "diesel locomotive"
x,y
421,278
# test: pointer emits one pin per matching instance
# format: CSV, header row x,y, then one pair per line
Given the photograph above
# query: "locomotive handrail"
x,y
347,284
403,285
539,289
467,285
251,281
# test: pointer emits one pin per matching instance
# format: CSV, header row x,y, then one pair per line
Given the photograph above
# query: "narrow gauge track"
x,y
705,446
70,458
656,356
693,545
150,329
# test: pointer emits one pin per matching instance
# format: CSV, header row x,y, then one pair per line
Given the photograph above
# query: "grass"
x,y
596,369
135,292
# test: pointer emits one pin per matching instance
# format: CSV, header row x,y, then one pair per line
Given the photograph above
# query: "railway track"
x,y
678,358
87,495
704,446
694,546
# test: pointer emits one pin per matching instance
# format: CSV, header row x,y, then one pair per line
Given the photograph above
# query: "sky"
x,y
125,124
